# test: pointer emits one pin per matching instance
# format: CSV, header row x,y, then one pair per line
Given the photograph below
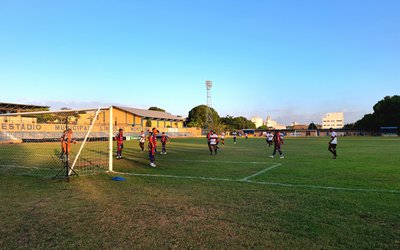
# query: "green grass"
x,y
194,200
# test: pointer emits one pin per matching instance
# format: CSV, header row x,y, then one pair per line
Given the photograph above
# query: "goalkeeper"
x,y
66,140
62,138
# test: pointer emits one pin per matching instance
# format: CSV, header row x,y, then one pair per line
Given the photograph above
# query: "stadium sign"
x,y
20,127
28,127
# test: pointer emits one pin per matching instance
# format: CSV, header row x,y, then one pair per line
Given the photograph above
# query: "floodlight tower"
x,y
209,120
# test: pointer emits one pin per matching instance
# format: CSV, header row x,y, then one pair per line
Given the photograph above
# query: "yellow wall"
x,y
154,123
138,120
18,119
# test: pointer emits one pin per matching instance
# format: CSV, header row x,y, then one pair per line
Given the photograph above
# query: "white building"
x,y
258,121
333,120
273,124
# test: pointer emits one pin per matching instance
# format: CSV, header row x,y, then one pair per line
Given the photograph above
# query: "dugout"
x,y
389,131
248,131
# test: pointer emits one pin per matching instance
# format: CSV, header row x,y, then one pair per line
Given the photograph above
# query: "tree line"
x,y
198,118
386,114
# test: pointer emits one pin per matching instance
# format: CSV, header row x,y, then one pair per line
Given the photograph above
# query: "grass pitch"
x,y
239,198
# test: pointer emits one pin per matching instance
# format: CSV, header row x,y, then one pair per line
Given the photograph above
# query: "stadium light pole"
x,y
209,120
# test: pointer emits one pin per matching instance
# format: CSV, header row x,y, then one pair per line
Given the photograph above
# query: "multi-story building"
x,y
333,120
258,121
273,124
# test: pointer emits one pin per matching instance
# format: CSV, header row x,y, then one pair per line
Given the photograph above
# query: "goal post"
x,y
33,143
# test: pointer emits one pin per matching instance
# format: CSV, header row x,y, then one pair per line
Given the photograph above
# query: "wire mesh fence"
x,y
41,143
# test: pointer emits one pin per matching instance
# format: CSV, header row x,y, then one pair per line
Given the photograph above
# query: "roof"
x,y
150,113
14,107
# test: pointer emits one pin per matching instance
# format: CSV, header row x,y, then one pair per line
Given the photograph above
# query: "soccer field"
x,y
239,198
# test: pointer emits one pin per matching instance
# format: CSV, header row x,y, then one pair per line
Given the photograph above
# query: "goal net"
x,y
41,143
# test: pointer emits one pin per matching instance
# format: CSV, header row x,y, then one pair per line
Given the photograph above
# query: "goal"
x,y
41,143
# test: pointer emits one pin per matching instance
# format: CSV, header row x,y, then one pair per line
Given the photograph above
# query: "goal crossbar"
x,y
52,112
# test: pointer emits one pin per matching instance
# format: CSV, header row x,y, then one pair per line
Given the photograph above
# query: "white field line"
x,y
262,171
49,155
267,183
326,187
40,155
8,166
176,176
205,161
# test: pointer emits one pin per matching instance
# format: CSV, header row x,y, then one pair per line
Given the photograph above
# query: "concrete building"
x,y
333,120
297,126
16,127
146,118
273,124
258,121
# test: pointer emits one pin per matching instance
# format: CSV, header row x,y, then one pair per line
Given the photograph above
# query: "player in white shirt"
x,y
142,139
213,143
234,134
333,143
270,138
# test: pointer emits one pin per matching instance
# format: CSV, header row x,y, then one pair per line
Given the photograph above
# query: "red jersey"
x,y
209,136
278,138
164,139
119,138
152,141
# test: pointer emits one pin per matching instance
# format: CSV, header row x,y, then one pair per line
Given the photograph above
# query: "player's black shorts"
x,y
332,146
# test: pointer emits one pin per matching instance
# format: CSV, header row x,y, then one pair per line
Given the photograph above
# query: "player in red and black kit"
x,y
120,143
278,141
164,140
153,146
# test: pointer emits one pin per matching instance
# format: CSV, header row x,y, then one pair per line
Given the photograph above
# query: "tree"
x,y
157,109
386,113
240,122
198,116
349,126
263,127
228,121
243,123
148,122
369,123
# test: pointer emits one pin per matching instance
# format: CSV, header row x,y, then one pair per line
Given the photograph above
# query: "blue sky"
x,y
293,60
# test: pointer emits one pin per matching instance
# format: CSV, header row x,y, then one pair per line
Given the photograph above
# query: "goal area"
x,y
42,143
